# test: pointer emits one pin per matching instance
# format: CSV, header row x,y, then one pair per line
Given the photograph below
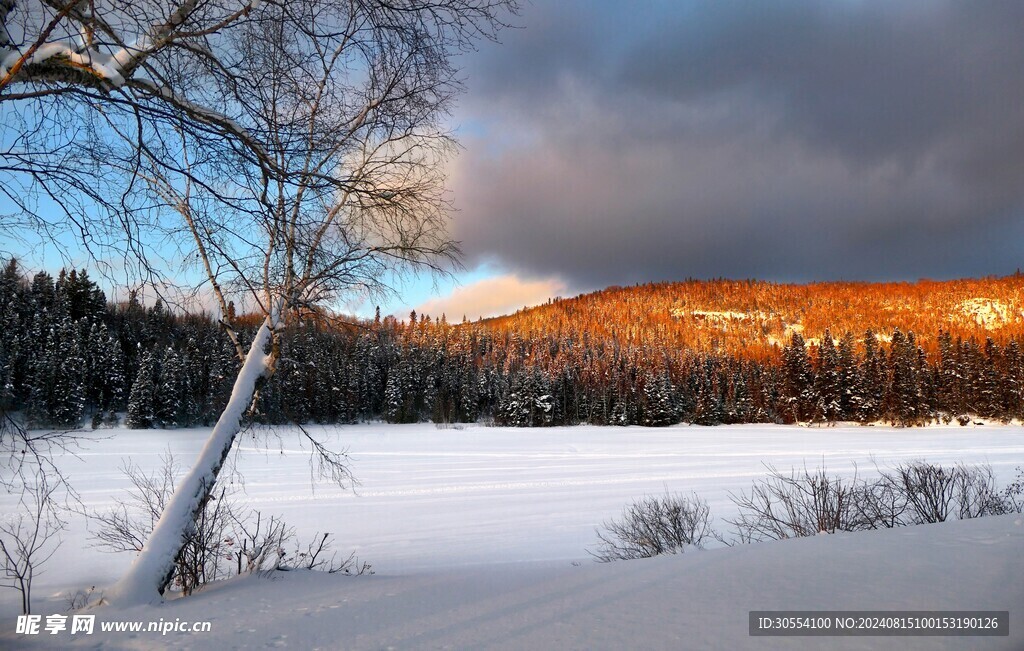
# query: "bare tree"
x,y
294,151
322,116
349,109
652,526
30,536
69,66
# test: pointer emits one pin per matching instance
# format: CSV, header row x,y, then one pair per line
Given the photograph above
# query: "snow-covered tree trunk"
x,y
153,569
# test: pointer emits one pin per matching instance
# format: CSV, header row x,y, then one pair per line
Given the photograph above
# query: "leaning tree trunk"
x,y
152,570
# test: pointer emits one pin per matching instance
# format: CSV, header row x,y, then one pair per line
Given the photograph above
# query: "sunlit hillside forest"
x,y
752,319
695,352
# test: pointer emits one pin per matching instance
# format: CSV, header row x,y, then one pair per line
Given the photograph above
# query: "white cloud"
x,y
492,297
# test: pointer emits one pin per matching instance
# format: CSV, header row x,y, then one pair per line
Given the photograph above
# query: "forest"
x,y
702,352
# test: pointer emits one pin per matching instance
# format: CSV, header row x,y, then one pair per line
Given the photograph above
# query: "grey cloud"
x,y
790,140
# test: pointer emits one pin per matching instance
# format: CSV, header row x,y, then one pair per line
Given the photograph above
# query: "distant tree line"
x,y
68,358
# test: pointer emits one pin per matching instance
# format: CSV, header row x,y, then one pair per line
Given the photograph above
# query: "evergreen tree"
x,y
799,379
69,390
827,385
991,393
80,297
903,403
871,388
394,397
173,404
1013,380
950,389
849,376
12,337
42,371
142,399
659,407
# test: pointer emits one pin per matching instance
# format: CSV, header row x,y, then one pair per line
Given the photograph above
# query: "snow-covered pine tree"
x,y
902,400
394,395
68,397
42,369
799,379
80,296
104,369
659,409
12,336
871,390
173,403
949,390
849,378
827,388
1013,380
142,399
743,404
991,404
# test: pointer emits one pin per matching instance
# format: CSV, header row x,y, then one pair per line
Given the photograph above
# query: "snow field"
x,y
502,510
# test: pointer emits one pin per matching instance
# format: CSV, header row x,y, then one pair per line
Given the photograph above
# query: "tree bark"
x,y
151,573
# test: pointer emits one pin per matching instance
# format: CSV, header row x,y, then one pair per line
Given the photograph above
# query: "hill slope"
x,y
752,318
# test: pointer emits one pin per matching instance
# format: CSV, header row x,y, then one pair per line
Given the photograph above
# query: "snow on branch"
x,y
64,48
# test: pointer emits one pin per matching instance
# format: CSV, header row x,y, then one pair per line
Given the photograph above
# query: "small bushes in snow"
x,y
666,524
795,505
811,502
935,493
805,504
227,540
1013,495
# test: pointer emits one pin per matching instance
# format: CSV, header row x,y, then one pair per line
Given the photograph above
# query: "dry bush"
x,y
315,557
796,505
935,493
880,505
226,541
976,492
126,527
1013,495
656,525
30,535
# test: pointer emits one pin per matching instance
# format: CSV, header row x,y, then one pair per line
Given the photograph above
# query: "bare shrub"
x,y
656,525
796,505
79,599
259,543
126,527
879,505
226,540
930,490
976,492
1013,495
29,537
934,493
315,557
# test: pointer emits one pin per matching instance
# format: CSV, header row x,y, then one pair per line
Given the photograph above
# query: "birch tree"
x,y
294,152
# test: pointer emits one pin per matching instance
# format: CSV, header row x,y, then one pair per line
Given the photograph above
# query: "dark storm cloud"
x,y
786,140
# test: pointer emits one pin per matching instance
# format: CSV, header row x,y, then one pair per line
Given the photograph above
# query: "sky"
x,y
614,143
611,143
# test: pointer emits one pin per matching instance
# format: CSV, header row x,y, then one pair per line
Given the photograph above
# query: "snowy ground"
x,y
474,534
